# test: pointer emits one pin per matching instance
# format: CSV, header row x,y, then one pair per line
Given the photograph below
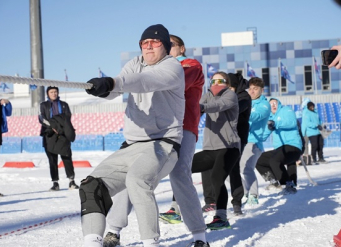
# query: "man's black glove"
x,y
319,127
271,125
101,86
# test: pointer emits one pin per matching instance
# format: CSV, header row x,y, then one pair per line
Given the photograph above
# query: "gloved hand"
x,y
271,125
319,127
101,86
104,95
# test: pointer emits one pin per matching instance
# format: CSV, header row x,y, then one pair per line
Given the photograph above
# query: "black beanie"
x,y
158,31
234,82
310,104
51,87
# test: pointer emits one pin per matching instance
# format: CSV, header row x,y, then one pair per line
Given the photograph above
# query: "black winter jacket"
x,y
245,106
56,143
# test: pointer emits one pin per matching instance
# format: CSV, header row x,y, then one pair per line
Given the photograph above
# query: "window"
x,y
308,79
325,78
284,88
266,77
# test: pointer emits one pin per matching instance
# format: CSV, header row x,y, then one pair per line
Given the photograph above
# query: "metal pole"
x,y
37,65
279,77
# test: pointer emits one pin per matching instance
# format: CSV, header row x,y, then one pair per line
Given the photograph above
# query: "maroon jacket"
x,y
194,81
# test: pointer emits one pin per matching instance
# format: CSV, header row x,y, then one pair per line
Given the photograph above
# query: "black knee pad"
x,y
95,197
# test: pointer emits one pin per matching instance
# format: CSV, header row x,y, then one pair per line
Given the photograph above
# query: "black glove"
x,y
319,127
271,125
100,86
104,95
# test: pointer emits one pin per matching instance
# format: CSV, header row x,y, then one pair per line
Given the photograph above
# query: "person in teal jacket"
x,y
311,126
5,111
259,116
287,145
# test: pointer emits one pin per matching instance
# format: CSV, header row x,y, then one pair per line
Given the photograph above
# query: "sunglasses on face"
x,y
218,81
273,103
152,42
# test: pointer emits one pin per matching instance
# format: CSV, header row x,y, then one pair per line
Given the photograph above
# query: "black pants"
x,y
53,161
271,164
316,146
220,163
237,190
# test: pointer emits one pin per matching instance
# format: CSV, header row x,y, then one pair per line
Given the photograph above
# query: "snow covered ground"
x,y
30,215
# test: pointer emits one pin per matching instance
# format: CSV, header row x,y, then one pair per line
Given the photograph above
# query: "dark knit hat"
x,y
158,31
234,82
51,87
310,104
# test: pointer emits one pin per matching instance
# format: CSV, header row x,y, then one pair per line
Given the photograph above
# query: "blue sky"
x,y
83,35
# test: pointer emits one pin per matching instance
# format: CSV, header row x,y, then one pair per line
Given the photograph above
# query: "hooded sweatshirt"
x,y
260,113
156,102
222,113
286,129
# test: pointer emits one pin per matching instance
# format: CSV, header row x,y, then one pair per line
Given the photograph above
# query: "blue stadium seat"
x,y
113,141
330,113
297,107
88,143
32,144
10,145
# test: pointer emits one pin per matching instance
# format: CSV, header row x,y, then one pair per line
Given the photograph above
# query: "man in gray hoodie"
x,y
153,131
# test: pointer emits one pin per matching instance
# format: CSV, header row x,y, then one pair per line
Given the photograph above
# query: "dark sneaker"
x,y
289,189
218,224
209,208
199,243
170,217
237,210
111,240
73,185
55,187
1,195
322,161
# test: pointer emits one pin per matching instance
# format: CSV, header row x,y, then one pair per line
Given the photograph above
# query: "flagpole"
x,y
99,72
205,75
245,68
65,80
315,85
279,77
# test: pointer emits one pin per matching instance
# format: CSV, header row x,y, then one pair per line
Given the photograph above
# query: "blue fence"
x,y
110,142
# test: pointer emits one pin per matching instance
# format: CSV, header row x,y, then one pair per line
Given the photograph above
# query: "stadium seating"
x,y
103,130
84,123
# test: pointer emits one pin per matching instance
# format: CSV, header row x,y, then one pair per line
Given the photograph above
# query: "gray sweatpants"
x,y
137,168
183,189
248,163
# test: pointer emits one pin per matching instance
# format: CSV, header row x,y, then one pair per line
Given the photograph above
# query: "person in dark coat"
x,y
5,111
239,85
58,133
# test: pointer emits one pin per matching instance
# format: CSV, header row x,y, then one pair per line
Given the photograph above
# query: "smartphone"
x,y
328,56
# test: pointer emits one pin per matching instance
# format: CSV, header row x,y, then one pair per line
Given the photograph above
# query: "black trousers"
x,y
316,146
53,161
271,164
220,163
237,190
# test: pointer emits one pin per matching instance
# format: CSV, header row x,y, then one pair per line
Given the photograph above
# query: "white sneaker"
x,y
252,200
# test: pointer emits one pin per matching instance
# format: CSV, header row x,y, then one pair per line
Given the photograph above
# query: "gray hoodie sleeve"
x,y
158,77
227,101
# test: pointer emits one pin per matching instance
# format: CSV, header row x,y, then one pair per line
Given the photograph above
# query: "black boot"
x,y
55,186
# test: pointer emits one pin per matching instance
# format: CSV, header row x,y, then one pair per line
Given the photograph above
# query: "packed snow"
x,y
30,215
